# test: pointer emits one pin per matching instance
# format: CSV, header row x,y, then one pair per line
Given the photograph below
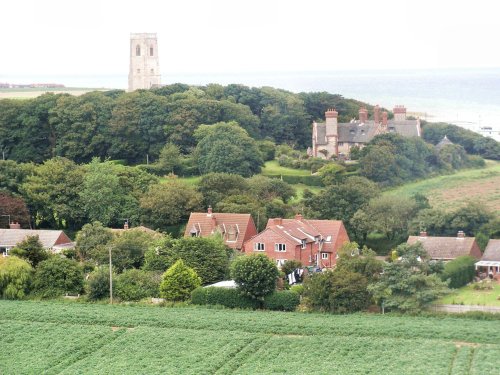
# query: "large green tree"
x,y
30,249
256,275
226,147
15,277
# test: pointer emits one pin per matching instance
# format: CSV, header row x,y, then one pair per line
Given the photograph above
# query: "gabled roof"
x,y
48,238
357,132
205,224
299,229
406,128
445,247
492,251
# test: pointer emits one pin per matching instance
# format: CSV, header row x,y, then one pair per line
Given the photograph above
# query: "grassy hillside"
x,y
104,339
446,192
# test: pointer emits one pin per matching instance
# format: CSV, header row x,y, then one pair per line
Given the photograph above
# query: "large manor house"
x,y
331,138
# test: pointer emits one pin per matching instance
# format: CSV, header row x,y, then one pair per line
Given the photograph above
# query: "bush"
x,y
460,271
293,180
337,292
178,282
134,285
297,288
58,276
30,249
255,275
227,297
97,285
15,277
284,300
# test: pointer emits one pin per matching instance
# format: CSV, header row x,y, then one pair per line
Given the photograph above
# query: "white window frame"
x,y
324,255
303,244
257,247
280,247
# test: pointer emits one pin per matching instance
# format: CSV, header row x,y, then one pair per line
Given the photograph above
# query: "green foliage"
x,y
290,266
282,300
169,203
30,249
255,275
330,173
406,284
178,282
352,259
127,249
134,285
15,277
264,188
267,149
227,297
338,291
97,284
91,238
293,180
58,276
169,159
226,147
460,271
216,186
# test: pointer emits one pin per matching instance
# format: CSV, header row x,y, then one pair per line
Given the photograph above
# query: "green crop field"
x,y
77,338
449,191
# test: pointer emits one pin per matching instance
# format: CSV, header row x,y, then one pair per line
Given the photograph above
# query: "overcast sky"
x,y
231,36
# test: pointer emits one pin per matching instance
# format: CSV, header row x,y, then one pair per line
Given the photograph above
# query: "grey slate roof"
x,y
407,128
443,142
444,247
357,132
11,237
492,251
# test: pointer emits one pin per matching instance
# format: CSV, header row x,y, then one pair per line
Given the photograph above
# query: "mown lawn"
x,y
467,295
449,191
272,167
77,338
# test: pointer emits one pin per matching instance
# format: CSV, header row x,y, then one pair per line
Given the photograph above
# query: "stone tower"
x,y
144,63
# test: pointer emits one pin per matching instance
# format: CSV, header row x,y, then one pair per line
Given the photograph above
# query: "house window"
x,y
151,51
281,247
341,144
138,50
259,246
328,238
194,232
232,234
324,255
303,244
138,71
152,71
280,262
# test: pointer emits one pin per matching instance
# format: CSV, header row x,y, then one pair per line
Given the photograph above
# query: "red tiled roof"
x,y
445,247
207,224
331,231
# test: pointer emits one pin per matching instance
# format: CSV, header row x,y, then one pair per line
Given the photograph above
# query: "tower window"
x,y
152,71
138,70
151,51
138,50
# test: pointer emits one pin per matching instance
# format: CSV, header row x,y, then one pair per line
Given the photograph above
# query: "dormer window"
x,y
195,231
328,238
232,233
303,244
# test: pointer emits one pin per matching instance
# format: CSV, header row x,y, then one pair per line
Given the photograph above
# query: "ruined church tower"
x,y
144,70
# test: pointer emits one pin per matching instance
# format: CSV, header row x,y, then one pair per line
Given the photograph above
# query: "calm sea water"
x,y
469,98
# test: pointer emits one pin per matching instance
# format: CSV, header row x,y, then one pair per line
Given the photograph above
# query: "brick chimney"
x,y
376,114
384,118
278,221
15,225
209,211
399,113
423,234
298,217
331,122
363,115
125,226
460,234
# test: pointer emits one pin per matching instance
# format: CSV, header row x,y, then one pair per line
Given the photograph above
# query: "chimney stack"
x,y
363,115
298,217
384,118
278,221
376,114
399,113
460,234
423,234
209,211
125,226
15,225
331,122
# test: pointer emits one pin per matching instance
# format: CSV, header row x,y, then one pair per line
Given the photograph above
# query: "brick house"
x,y
52,240
312,242
447,248
235,229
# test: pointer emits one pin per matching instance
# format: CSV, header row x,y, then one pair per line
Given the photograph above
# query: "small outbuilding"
x,y
490,261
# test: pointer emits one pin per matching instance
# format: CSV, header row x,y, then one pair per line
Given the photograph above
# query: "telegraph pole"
x,y
110,277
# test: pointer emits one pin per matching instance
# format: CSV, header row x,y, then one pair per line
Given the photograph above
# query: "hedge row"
x,y
281,300
459,271
311,180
